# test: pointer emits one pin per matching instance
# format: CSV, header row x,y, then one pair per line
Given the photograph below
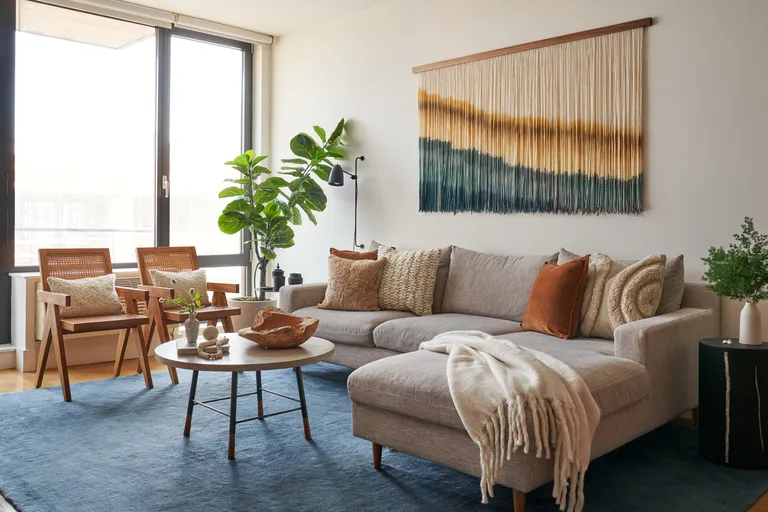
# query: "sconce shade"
x,y
336,178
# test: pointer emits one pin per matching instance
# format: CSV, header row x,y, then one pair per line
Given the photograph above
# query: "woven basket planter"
x,y
274,328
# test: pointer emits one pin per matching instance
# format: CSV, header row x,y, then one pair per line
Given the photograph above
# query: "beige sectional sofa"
x,y
641,380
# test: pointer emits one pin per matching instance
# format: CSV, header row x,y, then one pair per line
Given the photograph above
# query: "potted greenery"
x,y
266,205
741,273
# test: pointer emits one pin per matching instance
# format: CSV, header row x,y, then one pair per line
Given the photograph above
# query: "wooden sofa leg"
x,y
519,499
377,457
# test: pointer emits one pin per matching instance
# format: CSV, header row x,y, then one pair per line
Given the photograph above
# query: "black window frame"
x,y
8,17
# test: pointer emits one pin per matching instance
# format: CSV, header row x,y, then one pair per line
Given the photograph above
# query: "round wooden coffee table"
x,y
246,356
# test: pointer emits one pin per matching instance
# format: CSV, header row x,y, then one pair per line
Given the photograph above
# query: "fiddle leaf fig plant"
x,y
267,205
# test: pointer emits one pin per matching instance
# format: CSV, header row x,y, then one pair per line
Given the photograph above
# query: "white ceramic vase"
x,y
750,328
248,310
192,329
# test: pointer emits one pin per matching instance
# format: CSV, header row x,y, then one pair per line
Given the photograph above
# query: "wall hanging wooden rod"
x,y
567,38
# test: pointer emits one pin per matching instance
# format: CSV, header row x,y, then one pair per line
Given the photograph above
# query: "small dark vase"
x,y
295,278
278,278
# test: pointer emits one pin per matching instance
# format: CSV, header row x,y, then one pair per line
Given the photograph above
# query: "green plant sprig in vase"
x,y
741,273
188,305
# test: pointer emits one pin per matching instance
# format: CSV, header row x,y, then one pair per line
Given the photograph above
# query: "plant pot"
x,y
248,310
750,325
192,329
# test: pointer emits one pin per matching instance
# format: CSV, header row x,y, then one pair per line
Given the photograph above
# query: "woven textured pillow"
x,y
91,296
353,285
354,255
633,293
184,281
674,280
408,283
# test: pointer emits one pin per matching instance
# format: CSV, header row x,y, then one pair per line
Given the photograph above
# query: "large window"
x,y
121,131
85,133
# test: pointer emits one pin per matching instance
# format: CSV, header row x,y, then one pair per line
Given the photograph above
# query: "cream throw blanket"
x,y
497,387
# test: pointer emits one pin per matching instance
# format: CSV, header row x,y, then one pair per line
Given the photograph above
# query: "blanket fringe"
x,y
554,425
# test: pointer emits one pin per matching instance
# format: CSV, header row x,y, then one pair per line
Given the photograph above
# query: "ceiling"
x,y
273,17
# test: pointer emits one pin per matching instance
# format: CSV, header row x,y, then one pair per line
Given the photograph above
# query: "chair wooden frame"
x,y
179,259
75,264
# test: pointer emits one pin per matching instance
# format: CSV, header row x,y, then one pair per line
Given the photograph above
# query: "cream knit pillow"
x,y
408,283
183,282
91,296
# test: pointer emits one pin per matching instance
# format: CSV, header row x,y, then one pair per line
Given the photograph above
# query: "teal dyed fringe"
x,y
461,180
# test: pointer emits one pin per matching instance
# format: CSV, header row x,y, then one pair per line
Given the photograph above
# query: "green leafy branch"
x,y
741,271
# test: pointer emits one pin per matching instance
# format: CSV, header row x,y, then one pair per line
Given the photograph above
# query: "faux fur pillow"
x,y
184,281
91,296
408,283
353,285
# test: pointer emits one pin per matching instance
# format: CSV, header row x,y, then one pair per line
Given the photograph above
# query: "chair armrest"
x,y
224,287
157,291
132,293
668,347
297,296
53,298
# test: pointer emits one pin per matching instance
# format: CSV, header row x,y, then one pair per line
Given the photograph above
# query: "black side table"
x,y
733,403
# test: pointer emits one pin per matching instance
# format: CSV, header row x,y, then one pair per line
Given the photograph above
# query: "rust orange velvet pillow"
x,y
354,255
554,306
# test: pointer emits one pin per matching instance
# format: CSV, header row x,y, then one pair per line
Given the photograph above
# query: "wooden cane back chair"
x,y
78,264
179,259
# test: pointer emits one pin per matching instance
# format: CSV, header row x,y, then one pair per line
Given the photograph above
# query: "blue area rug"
x,y
119,447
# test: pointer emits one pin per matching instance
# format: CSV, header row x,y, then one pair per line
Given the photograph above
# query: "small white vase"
x,y
192,329
750,328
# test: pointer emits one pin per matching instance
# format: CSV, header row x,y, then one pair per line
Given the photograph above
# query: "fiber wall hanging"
x,y
551,126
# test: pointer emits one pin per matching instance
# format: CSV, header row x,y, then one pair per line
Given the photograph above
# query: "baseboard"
x,y
7,359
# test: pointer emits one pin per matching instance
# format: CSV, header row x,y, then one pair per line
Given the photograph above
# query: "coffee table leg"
x,y
303,400
259,394
232,417
191,404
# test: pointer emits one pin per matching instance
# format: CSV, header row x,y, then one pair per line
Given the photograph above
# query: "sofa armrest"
x,y
297,296
668,347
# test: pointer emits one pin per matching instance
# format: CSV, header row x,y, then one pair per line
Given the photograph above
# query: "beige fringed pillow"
x,y
91,296
353,285
630,293
408,283
183,282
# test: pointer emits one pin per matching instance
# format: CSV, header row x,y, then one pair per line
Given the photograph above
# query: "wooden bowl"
x,y
274,328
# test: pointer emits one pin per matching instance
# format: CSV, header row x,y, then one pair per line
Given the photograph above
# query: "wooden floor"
x,y
14,380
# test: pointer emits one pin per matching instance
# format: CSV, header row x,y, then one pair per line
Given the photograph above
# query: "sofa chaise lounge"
x,y
642,379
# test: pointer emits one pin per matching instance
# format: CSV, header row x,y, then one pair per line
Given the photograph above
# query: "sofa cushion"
x,y
349,327
405,334
489,285
415,384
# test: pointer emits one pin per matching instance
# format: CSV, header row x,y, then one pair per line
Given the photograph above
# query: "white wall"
x,y
705,124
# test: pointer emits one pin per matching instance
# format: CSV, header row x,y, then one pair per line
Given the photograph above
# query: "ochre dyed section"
x,y
534,142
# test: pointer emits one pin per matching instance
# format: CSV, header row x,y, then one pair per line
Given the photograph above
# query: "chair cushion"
x,y
349,327
405,335
489,285
415,384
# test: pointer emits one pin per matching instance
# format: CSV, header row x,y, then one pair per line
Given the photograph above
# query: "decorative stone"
x,y
210,333
274,328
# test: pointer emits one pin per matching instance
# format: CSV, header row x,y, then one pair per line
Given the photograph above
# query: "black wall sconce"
x,y
336,179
